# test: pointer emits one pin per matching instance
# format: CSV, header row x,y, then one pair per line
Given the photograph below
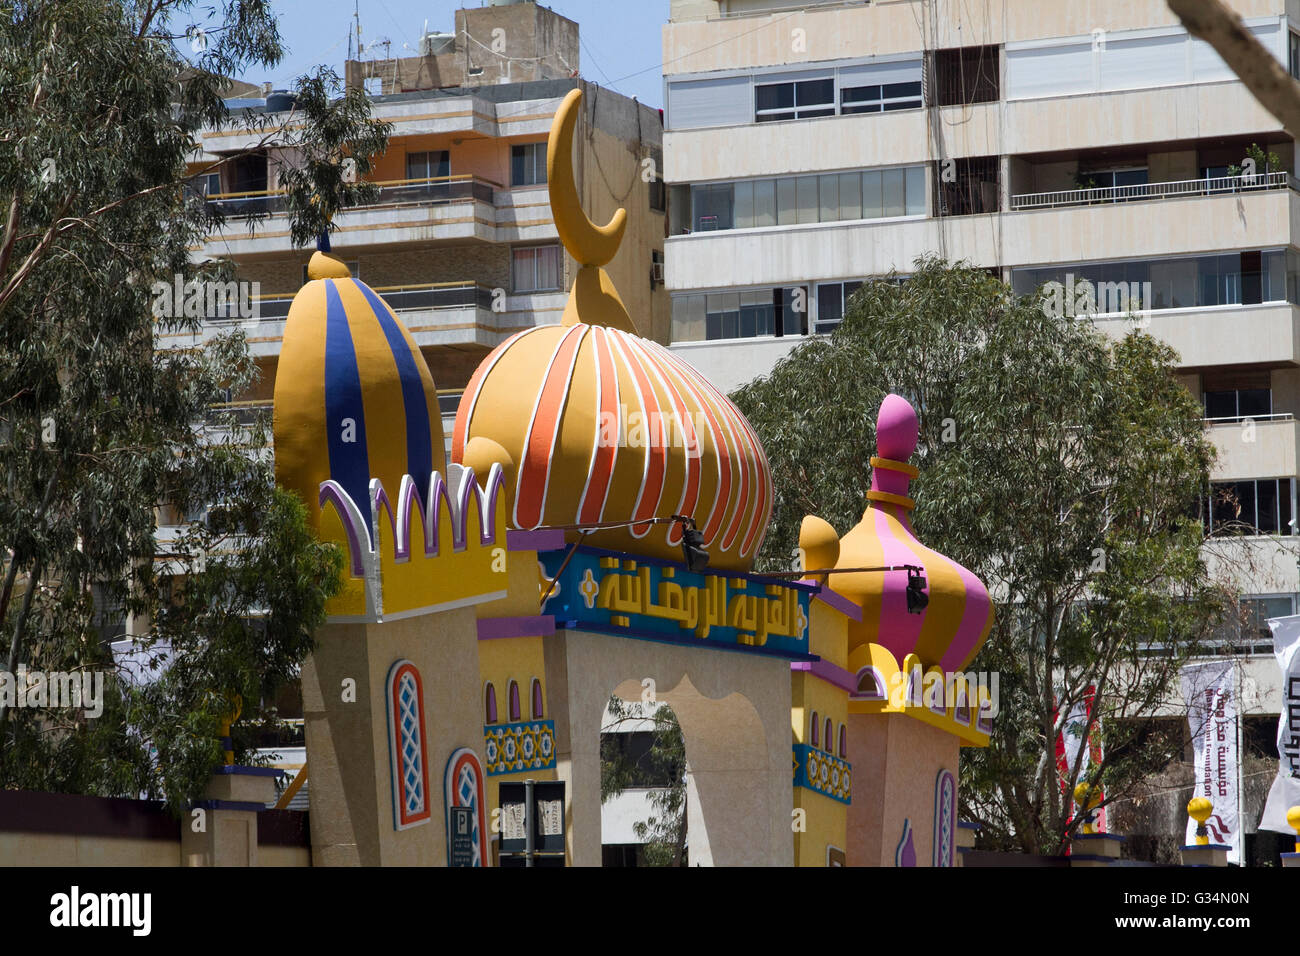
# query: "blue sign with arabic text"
x,y
612,592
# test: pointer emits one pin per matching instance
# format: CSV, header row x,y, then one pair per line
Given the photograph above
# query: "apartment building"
x,y
810,146
461,242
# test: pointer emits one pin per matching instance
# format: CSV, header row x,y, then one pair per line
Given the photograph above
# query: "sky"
x,y
621,39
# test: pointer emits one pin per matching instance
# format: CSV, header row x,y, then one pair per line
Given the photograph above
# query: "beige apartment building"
x,y
461,242
809,146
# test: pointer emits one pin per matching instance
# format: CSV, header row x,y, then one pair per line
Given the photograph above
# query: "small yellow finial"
x,y
1199,809
1293,821
325,266
1088,797
227,745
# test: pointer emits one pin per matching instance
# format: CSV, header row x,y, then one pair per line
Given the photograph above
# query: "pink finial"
x,y
896,428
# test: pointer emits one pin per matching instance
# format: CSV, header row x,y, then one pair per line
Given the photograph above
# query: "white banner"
x,y
1285,792
1210,690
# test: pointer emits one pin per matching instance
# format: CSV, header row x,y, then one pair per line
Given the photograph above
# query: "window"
x,y
1247,630
1253,506
1293,54
800,99
880,99
1184,282
965,187
408,762
515,712
1235,404
814,724
798,200
966,75
712,207
489,704
658,193
832,303
537,269
208,184
844,743
528,164
537,699
827,738
433,164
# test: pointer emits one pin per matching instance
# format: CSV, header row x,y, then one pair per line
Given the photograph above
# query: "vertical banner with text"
x,y
1210,689
1285,792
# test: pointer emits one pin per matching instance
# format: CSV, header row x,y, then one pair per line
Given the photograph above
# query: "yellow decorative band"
x,y
884,496
890,465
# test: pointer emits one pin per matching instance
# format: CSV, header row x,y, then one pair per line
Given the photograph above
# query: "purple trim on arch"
x,y
828,672
877,678
850,609
332,491
492,628
544,539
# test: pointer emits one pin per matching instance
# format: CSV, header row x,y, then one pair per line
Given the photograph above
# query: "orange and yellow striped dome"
x,y
605,426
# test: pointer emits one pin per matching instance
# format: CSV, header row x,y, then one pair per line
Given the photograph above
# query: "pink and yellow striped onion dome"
x,y
603,426
959,615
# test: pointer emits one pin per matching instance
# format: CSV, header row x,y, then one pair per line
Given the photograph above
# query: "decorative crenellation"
x,y
960,703
390,573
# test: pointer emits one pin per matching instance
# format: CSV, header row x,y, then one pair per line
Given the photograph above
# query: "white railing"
x,y
1145,191
1238,419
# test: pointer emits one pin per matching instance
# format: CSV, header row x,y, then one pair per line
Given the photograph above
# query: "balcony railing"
x,y
1238,419
438,190
274,306
1145,191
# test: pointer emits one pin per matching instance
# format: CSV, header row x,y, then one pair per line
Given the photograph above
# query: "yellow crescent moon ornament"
x,y
590,244
593,299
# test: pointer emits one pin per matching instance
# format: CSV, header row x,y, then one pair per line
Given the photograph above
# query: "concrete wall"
x,y
515,44
830,31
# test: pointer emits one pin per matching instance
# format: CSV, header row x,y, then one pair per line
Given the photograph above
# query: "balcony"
x,y
1214,336
1181,218
450,209
1261,447
1144,191
461,313
401,192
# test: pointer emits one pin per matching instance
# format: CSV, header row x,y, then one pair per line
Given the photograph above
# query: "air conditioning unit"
x,y
656,273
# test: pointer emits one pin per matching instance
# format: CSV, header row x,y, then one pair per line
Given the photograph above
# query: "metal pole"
x,y
530,818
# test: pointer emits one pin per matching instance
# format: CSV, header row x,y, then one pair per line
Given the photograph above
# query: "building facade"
x,y
809,147
461,242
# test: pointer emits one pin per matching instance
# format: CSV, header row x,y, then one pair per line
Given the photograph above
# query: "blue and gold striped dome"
x,y
354,399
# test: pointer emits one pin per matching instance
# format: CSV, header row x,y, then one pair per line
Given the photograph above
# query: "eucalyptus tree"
x,y
1064,467
101,425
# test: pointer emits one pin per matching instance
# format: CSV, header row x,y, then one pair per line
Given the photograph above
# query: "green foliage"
x,y
664,832
106,428
1063,467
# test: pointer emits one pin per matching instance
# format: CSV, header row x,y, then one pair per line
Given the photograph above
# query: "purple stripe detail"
x,y
828,672
899,631
544,539
491,628
333,492
838,601
487,515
